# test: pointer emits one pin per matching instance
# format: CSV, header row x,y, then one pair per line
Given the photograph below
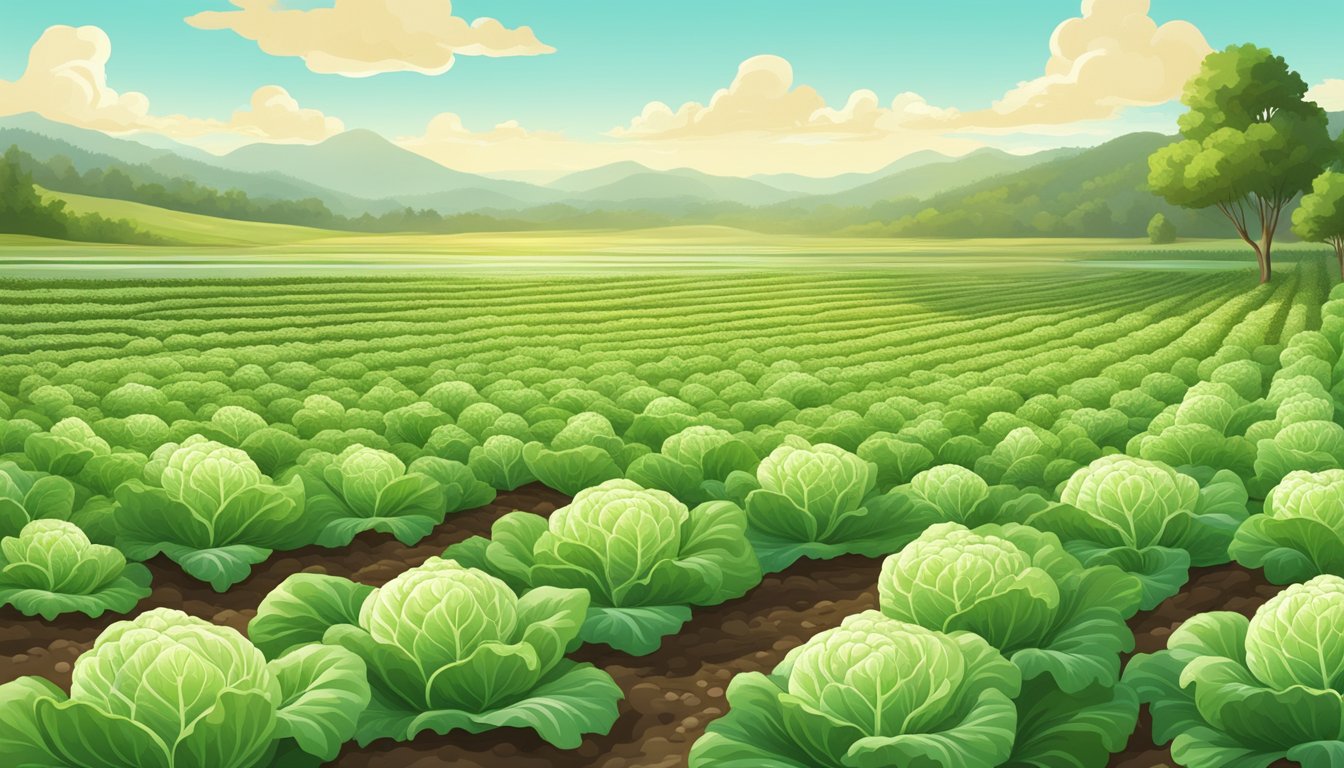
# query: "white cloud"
x,y
1112,57
360,38
1329,94
66,81
761,99
274,113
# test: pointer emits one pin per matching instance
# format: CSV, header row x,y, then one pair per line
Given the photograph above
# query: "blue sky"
x,y
612,57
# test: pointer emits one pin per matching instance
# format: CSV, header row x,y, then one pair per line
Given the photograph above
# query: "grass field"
x,y
378,392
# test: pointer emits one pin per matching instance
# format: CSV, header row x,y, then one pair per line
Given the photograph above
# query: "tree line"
x,y
24,212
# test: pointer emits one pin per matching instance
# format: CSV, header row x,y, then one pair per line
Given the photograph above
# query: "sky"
x,y
738,88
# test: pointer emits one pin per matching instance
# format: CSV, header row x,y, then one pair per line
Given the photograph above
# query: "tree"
x,y
1320,218
1160,230
1252,143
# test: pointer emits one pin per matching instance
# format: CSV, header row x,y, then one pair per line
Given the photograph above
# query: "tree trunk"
x,y
1339,256
1268,225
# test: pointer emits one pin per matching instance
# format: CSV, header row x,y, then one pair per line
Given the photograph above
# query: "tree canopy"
x,y
1320,218
1252,144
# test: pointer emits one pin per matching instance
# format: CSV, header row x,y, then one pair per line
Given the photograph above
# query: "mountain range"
x,y
985,192
360,171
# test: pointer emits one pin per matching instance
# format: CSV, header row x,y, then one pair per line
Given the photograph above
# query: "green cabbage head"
x,y
1146,518
1235,691
872,692
449,648
642,556
167,690
367,489
1063,625
809,501
51,568
210,509
1301,533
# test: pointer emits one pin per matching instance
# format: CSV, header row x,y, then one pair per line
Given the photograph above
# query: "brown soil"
x,y
32,646
670,695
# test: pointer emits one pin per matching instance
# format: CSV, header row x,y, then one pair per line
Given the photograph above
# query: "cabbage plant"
x,y
1301,533
51,568
872,692
366,489
955,494
1146,518
167,690
1229,691
642,556
693,464
1020,590
811,501
210,510
449,648
1063,625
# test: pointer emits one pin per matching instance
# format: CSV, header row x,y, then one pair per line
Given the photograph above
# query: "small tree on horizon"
x,y
1320,218
1160,230
1252,144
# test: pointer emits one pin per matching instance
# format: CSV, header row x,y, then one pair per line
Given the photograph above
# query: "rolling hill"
x,y
190,228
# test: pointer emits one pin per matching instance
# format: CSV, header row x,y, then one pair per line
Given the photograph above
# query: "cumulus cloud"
x,y
762,99
274,114
66,81
1113,56
360,38
1329,94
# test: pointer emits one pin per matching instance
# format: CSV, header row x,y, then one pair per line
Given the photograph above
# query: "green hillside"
x,y
1100,192
189,228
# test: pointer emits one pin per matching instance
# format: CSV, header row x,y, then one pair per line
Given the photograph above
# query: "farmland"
x,y
777,438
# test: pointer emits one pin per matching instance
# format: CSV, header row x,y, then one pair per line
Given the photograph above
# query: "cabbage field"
x,y
1057,515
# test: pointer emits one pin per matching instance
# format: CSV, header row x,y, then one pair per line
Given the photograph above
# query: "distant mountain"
x,y
809,185
601,176
926,179
87,150
676,184
363,163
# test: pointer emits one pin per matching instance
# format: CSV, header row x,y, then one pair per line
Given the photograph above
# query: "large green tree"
x,y
1252,144
1320,218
